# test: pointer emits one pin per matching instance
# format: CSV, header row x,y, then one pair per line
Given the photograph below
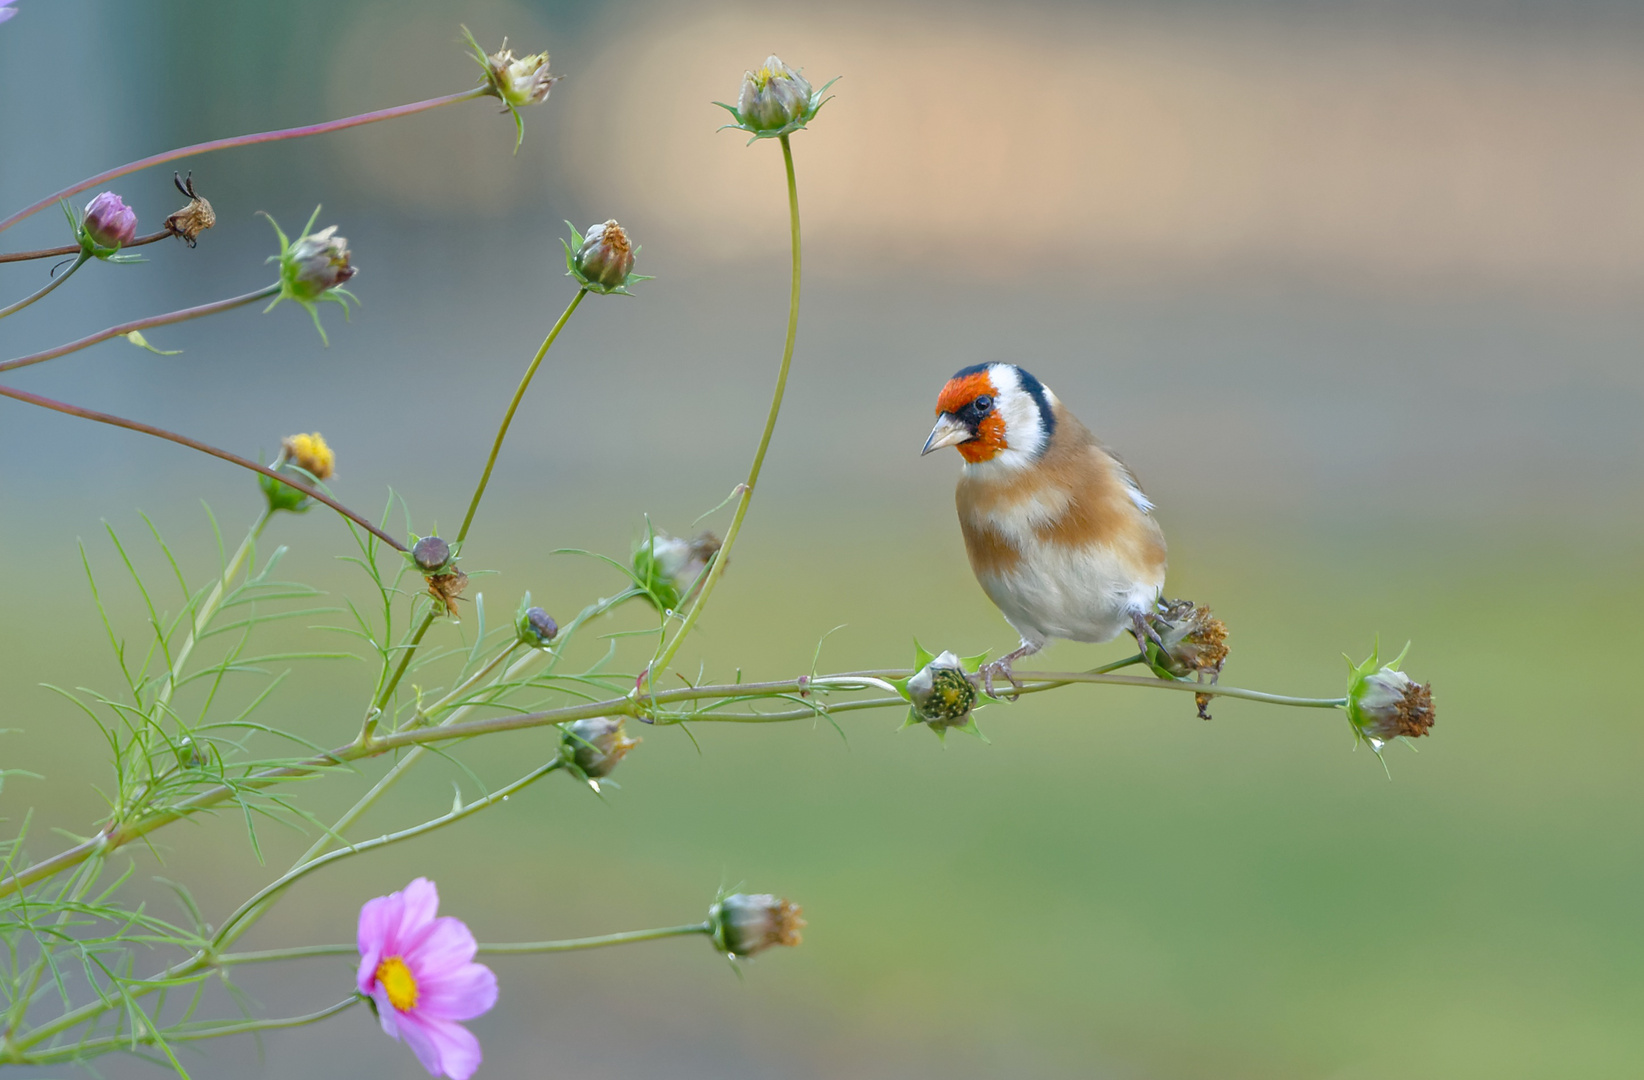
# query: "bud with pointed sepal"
x,y
313,268
1383,703
594,746
941,692
516,81
775,101
603,260
308,457
1189,641
533,626
742,924
670,570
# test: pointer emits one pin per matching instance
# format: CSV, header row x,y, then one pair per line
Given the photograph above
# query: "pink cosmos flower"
x,y
6,10
420,971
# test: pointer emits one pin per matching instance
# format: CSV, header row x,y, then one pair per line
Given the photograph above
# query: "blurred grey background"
x,y
1354,287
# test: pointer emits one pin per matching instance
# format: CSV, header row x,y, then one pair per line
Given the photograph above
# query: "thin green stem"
x,y
121,834
208,609
409,651
186,1033
233,928
659,666
50,285
513,407
241,140
573,944
513,948
170,317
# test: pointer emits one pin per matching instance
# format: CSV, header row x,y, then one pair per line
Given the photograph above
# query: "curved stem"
x,y
119,835
508,415
70,249
232,928
410,649
659,666
50,285
185,1034
241,140
204,448
513,948
142,324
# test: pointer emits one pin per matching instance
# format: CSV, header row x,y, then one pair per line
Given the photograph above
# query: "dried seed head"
x,y
746,924
193,219
446,587
310,453
595,745
1191,642
1383,703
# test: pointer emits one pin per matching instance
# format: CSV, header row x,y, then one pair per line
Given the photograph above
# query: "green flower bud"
x,y
747,924
314,267
516,81
602,261
943,695
670,569
594,746
1384,703
775,101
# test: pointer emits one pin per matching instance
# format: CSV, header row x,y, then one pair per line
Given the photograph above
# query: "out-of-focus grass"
x,y
1112,887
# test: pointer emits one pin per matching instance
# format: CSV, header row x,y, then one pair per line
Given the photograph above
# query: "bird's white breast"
x,y
1083,593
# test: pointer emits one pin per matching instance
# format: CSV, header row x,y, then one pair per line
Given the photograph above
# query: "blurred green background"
x,y
1353,287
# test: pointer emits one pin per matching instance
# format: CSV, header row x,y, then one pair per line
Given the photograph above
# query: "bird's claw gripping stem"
x,y
1000,668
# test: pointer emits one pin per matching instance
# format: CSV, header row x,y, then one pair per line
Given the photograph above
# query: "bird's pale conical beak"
x,y
947,432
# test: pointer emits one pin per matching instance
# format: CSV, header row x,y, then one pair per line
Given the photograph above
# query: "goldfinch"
x,y
1059,534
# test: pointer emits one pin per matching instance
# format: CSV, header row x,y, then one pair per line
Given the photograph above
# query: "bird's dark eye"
x,y
982,404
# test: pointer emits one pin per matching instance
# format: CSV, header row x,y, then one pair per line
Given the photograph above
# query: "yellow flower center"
x,y
394,977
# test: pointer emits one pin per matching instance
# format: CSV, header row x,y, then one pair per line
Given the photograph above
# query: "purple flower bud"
x,y
318,263
431,554
541,624
110,222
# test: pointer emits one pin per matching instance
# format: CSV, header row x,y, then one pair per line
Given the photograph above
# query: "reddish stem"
x,y
204,448
142,324
74,249
241,140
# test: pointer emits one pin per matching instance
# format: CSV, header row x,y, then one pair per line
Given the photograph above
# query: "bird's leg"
x,y
1001,668
1144,632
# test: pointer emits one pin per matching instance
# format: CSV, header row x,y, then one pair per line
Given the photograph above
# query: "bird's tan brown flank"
x,y
1098,512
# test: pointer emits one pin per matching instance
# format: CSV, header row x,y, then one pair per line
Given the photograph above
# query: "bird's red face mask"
x,y
967,418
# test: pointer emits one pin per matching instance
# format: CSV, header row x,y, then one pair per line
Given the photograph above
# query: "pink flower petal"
x,y
462,994
423,1042
387,1016
446,944
459,1048
422,900
378,919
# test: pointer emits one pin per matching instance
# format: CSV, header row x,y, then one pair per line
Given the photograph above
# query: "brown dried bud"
x,y
193,219
744,924
447,587
1190,641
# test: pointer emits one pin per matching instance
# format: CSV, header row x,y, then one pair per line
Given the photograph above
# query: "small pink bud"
x,y
110,222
